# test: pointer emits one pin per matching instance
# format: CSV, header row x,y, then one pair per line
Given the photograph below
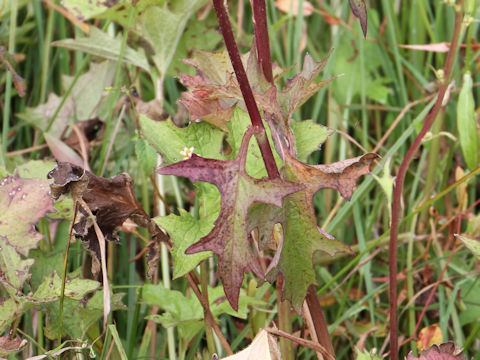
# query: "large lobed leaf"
x,y
239,191
213,91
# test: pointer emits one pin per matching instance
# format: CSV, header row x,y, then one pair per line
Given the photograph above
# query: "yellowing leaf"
x,y
471,244
428,336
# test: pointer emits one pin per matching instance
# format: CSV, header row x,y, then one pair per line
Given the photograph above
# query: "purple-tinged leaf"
x,y
239,191
302,238
445,351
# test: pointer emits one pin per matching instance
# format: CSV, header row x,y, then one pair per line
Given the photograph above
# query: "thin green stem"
x,y
8,84
165,268
44,78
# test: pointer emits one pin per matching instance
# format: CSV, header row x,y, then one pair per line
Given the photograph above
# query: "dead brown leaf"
x,y
9,345
111,200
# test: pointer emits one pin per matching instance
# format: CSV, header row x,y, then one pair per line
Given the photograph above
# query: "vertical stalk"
x,y
165,264
410,289
208,327
398,190
319,320
46,54
261,38
8,83
245,88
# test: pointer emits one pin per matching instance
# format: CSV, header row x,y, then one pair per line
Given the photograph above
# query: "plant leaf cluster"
x,y
248,200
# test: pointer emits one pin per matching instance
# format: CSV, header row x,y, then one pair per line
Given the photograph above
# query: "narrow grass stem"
x,y
8,83
165,266
245,88
208,326
46,54
398,191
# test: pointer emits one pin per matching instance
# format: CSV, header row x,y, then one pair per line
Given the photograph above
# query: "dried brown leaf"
x,y
111,200
10,345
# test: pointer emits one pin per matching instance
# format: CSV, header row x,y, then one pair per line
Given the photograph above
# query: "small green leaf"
x,y
366,355
466,123
471,244
13,270
309,136
185,230
9,311
170,140
85,10
146,156
386,182
75,288
45,264
35,169
78,316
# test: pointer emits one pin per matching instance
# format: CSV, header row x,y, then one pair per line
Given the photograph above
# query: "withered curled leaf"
x,y
111,200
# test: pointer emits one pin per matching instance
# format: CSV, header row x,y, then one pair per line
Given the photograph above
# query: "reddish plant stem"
x,y
319,321
398,190
261,38
245,88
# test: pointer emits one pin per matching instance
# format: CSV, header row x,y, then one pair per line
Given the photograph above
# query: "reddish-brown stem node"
x,y
245,88
398,190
